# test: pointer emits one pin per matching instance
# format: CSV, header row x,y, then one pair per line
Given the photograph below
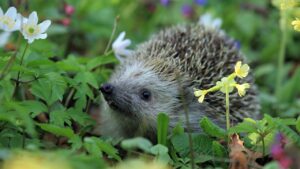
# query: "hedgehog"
x,y
161,76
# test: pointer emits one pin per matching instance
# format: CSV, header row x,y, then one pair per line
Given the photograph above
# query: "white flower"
x,y
9,21
119,46
208,21
4,37
31,30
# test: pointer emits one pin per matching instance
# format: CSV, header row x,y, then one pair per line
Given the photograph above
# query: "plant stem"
x,y
227,109
112,35
19,72
12,58
263,144
281,56
186,112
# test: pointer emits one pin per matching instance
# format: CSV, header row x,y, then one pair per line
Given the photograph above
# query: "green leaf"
x,y
288,132
202,144
218,149
35,107
100,60
59,118
161,153
86,77
162,128
50,89
247,126
290,89
178,129
298,124
59,131
104,146
211,129
137,142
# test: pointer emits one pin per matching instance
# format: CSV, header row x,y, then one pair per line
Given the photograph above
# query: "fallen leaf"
x,y
240,156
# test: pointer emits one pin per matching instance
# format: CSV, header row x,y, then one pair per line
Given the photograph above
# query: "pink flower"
x,y
66,21
69,9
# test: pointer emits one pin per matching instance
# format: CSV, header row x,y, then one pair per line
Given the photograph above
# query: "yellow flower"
x,y
201,94
287,4
226,84
241,71
296,24
26,160
242,88
139,163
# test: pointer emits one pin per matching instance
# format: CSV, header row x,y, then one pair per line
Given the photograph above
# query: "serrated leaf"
x,y
50,89
211,129
162,128
59,118
34,107
202,144
86,77
247,126
288,132
56,130
105,147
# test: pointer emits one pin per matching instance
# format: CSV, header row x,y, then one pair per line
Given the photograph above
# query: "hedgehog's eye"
x,y
145,94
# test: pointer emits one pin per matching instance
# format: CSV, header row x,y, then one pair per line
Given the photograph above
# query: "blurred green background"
x,y
61,75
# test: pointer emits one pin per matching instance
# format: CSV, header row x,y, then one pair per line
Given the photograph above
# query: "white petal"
x,y
17,25
4,37
126,42
1,12
44,25
205,19
33,18
127,52
216,23
120,37
41,36
11,12
30,40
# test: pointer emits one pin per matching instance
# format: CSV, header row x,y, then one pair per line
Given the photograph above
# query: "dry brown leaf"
x,y
241,157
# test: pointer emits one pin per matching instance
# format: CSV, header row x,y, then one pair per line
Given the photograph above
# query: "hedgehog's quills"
x,y
148,83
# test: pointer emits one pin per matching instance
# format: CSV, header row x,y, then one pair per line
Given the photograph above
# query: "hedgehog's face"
x,y
135,90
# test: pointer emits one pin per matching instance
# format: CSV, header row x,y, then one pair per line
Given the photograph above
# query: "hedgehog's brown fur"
x,y
195,57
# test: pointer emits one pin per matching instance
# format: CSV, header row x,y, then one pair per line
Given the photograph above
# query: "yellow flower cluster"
x,y
227,84
27,160
287,4
296,24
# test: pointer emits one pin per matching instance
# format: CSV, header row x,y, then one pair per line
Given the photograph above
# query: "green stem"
x,y
282,49
227,109
263,144
12,59
19,72
112,35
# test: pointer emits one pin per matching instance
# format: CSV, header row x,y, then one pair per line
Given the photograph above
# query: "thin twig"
x,y
69,97
112,34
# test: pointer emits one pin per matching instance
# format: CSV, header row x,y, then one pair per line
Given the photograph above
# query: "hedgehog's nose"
x,y
107,88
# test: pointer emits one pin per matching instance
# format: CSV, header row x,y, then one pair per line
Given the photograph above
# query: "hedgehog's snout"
x,y
107,89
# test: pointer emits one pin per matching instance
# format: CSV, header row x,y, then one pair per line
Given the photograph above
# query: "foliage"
x,y
48,97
